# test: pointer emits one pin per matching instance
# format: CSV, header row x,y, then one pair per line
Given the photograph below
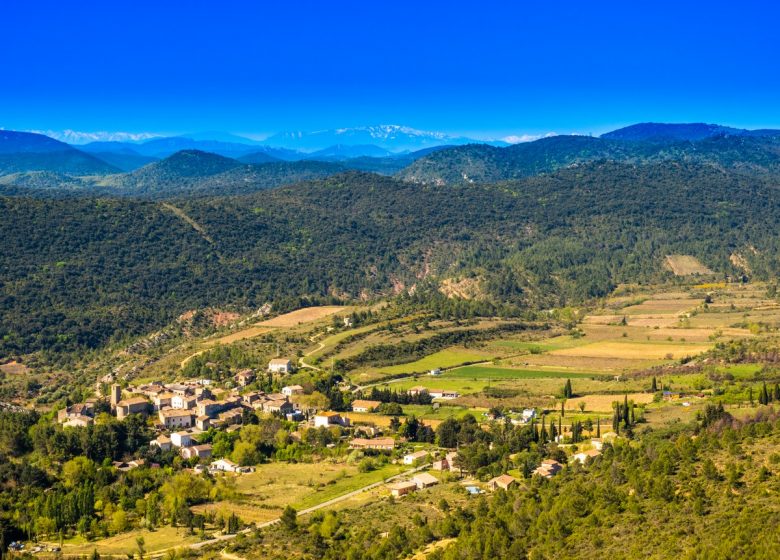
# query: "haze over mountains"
x,y
357,220
217,163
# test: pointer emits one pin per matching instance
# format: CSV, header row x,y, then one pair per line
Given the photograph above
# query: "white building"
x,y
163,442
181,439
412,458
292,390
171,418
327,419
223,465
280,365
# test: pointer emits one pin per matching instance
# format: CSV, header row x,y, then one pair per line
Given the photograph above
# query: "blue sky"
x,y
487,69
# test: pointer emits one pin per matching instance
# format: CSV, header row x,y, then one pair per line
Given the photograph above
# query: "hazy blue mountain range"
x,y
683,131
188,164
26,151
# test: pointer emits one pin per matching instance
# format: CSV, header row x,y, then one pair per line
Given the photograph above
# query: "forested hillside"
x,y
486,164
77,272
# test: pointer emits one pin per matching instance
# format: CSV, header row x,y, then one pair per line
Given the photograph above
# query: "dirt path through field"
x,y
287,320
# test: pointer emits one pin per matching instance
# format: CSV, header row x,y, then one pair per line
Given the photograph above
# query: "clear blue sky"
x,y
482,68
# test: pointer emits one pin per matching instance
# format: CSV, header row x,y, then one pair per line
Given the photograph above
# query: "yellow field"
x,y
583,364
267,491
634,350
299,316
163,538
686,265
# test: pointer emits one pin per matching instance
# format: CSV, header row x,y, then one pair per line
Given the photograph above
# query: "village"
x,y
183,411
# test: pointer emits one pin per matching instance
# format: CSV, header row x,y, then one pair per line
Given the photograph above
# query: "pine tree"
x,y
289,518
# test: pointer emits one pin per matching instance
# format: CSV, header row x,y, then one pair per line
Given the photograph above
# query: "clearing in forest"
x,y
686,265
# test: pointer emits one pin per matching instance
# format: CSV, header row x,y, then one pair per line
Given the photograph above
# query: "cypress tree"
x,y
598,427
625,411
654,386
777,392
563,412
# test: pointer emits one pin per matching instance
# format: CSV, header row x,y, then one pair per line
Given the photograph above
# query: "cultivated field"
x,y
124,544
634,350
266,492
443,359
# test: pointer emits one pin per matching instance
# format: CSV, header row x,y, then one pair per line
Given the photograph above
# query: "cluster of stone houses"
x,y
185,409
185,442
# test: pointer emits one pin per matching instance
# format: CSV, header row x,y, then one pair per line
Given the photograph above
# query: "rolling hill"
x,y
26,151
196,173
486,164
78,272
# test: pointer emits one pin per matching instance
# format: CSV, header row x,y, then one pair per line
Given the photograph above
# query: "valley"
x,y
203,361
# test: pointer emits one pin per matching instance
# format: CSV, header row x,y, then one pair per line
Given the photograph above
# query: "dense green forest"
x,y
78,272
478,163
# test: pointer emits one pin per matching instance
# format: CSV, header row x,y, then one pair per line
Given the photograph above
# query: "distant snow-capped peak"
x,y
80,137
384,131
